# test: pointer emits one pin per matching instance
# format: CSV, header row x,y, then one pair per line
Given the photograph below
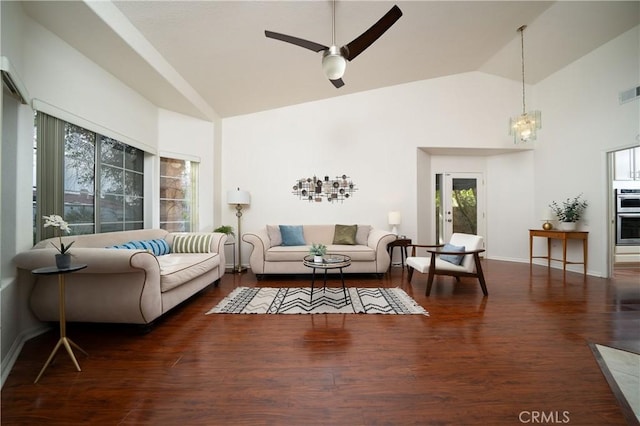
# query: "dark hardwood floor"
x,y
521,353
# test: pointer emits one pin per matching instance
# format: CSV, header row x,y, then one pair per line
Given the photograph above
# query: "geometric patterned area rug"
x,y
269,300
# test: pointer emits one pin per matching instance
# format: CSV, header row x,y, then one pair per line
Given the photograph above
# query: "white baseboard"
x,y
16,348
508,259
555,264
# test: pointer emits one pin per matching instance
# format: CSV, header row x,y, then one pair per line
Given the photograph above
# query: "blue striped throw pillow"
x,y
158,246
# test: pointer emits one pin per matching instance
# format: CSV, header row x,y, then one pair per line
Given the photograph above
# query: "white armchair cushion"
x,y
421,264
468,241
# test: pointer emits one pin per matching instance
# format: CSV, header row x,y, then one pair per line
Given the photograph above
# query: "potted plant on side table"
x,y
225,229
63,258
570,212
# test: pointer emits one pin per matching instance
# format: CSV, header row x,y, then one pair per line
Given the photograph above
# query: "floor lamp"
x,y
239,198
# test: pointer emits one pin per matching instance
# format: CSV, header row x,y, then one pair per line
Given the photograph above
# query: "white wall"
x,y
582,120
510,205
373,137
62,77
16,321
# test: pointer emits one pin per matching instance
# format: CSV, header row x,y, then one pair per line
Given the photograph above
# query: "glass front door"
x,y
459,206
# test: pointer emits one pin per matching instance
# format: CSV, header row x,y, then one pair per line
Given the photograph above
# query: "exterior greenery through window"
x,y
73,165
177,195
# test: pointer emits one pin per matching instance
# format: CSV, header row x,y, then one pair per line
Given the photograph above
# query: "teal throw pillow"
x,y
292,235
452,258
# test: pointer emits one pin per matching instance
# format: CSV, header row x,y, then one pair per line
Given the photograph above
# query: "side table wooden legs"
x,y
563,236
64,340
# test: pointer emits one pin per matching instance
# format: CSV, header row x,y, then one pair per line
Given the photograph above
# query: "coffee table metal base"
x,y
336,261
313,280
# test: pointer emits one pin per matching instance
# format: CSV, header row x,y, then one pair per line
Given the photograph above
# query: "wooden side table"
x,y
233,249
64,340
403,243
564,236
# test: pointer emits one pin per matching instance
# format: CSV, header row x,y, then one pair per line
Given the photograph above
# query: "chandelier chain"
x,y
521,29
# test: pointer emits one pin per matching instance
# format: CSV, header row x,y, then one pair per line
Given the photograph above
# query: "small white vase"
x,y
317,259
568,226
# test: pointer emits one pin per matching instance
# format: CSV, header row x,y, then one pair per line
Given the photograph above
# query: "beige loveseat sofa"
x,y
269,255
130,286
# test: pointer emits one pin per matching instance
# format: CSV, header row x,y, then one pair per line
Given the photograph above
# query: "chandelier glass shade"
x,y
524,127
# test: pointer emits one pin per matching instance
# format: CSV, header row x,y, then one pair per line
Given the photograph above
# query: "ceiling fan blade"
x,y
366,39
316,47
338,83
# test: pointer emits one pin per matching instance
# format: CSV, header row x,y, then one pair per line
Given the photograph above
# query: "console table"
x,y
554,234
233,249
64,340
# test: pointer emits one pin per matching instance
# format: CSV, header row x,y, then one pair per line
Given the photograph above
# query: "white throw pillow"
x,y
274,235
192,243
362,234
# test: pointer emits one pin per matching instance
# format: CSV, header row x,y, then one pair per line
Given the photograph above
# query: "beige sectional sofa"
x,y
270,256
119,285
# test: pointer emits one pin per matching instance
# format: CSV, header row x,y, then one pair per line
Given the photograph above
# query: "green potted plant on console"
x,y
570,212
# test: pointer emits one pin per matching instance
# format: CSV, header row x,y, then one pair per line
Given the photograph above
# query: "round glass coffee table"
x,y
329,261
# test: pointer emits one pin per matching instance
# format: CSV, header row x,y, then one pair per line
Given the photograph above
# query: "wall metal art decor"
x,y
314,189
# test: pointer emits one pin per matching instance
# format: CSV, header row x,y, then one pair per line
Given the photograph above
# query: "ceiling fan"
x,y
334,58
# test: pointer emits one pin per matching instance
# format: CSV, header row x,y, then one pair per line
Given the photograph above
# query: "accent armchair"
x,y
459,258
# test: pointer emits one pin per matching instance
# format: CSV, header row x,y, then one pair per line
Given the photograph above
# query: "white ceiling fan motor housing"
x,y
333,63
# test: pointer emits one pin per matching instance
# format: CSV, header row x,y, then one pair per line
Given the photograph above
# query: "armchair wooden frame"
x,y
435,251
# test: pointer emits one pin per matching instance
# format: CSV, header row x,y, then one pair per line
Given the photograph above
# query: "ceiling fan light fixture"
x,y
334,59
333,63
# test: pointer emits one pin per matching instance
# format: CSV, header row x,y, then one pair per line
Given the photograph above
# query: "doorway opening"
x,y
624,211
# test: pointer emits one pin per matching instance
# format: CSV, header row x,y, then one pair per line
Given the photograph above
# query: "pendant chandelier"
x,y
523,127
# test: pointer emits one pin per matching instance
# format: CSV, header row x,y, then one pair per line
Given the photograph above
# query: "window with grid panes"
x,y
177,195
94,182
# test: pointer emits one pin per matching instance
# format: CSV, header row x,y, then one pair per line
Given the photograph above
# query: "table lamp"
x,y
394,220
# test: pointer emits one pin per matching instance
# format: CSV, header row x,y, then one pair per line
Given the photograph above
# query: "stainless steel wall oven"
x,y
627,217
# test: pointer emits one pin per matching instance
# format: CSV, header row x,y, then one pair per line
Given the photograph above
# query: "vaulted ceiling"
x,y
211,58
